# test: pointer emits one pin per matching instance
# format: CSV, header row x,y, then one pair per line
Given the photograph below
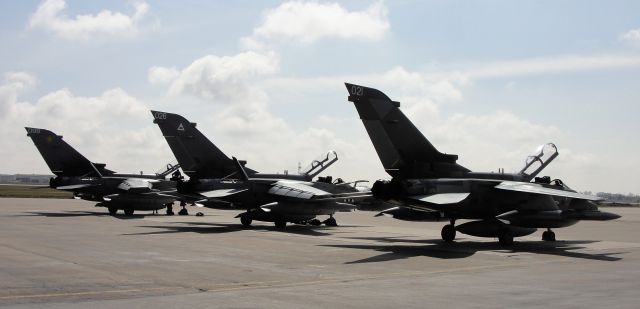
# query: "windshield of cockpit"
x,y
536,162
320,164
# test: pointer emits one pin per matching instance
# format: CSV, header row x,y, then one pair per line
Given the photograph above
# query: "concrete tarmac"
x,y
69,254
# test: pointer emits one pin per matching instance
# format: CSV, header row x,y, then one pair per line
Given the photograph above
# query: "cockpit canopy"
x,y
536,162
320,164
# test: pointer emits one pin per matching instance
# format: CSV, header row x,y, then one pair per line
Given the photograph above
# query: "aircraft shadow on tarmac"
x,y
218,228
84,213
64,214
396,248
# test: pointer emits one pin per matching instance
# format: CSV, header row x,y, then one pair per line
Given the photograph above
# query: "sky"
x,y
264,80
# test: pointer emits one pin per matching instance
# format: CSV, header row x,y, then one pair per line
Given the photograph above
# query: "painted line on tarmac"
x,y
86,293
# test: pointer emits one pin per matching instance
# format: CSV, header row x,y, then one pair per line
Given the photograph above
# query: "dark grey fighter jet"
x,y
93,182
217,181
429,185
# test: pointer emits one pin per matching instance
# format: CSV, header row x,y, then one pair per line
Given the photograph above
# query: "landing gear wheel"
x,y
505,238
331,222
246,221
549,235
448,233
128,212
169,210
315,222
281,224
183,212
113,211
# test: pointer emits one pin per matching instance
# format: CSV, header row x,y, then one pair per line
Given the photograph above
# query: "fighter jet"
x,y
94,182
428,185
217,181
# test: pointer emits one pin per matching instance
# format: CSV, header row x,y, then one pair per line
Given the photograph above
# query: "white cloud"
x,y
489,141
307,22
162,76
218,78
113,127
545,65
14,84
632,37
50,17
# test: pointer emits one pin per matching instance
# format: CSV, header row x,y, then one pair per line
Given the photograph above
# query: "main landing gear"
x,y
113,211
548,235
246,221
331,221
183,211
449,231
170,209
505,238
128,212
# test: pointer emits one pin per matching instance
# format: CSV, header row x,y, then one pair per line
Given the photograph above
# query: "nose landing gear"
x,y
449,232
548,235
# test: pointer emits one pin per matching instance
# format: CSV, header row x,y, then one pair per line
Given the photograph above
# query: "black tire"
x,y
448,233
246,221
169,210
183,212
128,212
331,222
505,238
281,224
315,222
548,236
113,211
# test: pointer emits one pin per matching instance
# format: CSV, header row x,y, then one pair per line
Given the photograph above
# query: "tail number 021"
x,y
356,90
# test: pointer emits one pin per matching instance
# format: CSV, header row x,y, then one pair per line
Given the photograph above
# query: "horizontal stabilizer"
x,y
442,198
529,187
221,193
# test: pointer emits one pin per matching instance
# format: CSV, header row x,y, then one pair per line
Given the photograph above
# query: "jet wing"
x,y
136,184
529,187
297,189
74,187
221,193
442,198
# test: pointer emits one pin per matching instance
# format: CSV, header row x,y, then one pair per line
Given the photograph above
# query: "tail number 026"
x,y
356,90
161,116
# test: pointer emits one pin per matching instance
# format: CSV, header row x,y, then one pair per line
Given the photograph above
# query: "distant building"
x,y
33,179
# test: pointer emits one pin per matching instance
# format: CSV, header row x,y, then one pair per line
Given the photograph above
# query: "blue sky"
x,y
488,80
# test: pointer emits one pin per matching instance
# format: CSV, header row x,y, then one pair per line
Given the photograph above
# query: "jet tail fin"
x,y
401,147
197,155
62,159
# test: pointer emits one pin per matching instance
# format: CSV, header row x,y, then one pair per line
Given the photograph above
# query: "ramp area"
x,y
59,253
